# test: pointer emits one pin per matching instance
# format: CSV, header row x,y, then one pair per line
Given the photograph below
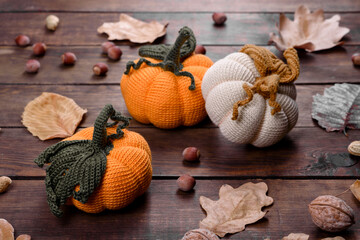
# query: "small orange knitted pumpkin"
x,y
157,91
98,168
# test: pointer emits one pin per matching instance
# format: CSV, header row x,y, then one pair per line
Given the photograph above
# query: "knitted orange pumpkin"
x,y
156,89
98,168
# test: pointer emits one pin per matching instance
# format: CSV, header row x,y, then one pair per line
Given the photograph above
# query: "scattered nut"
x,y
334,238
22,40
6,230
32,66
68,58
24,237
106,45
219,18
191,154
356,59
354,148
100,69
114,53
52,22
186,182
331,214
200,234
4,183
199,49
39,49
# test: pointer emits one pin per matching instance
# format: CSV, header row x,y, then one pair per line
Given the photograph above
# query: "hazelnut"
x,y
39,49
191,154
4,183
186,182
219,18
100,69
68,58
199,49
331,214
114,53
200,234
52,22
22,40
106,45
23,237
356,59
32,66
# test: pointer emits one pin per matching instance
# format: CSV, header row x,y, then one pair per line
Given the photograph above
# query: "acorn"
x,y
219,18
22,40
32,66
106,45
200,49
68,58
39,49
100,69
114,53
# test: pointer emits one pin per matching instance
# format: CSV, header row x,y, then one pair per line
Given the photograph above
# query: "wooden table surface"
x,y
307,163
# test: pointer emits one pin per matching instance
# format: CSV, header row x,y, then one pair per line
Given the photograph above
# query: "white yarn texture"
x,y
222,86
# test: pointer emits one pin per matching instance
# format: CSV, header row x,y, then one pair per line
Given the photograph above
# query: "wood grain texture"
x,y
13,99
81,28
329,66
166,213
174,6
298,155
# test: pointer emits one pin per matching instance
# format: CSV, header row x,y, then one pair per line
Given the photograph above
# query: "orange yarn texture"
x,y
153,95
128,172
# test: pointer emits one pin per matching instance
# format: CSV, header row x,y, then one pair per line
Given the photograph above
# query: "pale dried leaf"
x,y
310,31
200,234
296,236
355,189
52,116
24,237
129,28
338,108
334,238
235,208
6,230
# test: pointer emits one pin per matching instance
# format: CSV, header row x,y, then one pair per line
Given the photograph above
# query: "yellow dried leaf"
x,y
129,28
6,230
52,116
296,236
308,31
235,208
355,189
334,238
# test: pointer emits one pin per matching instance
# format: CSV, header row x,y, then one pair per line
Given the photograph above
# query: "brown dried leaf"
x,y
308,31
235,208
355,189
52,116
296,236
6,230
129,28
334,238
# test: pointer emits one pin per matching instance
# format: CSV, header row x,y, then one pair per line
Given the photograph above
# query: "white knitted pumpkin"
x,y
223,86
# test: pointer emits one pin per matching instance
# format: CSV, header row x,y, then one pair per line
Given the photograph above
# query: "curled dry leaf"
x,y
338,108
235,208
200,234
24,237
6,230
52,116
308,31
334,238
129,28
355,189
4,183
296,236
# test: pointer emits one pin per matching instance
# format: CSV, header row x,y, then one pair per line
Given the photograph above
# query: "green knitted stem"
x,y
79,162
171,56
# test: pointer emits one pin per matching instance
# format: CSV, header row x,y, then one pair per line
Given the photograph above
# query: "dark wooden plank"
x,y
173,6
81,28
165,213
300,154
330,66
13,99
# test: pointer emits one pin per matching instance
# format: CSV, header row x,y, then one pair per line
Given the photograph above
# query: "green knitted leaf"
x,y
79,162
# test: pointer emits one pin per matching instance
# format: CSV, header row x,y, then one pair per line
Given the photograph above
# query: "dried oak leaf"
x,y
296,236
338,108
129,28
309,31
52,116
235,208
6,230
355,189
